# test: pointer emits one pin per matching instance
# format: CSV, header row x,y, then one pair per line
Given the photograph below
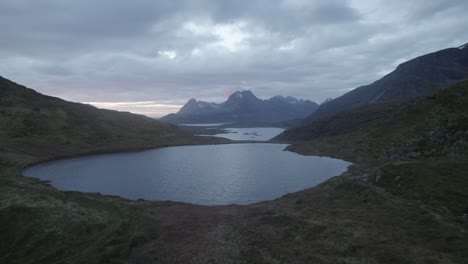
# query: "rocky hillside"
x,y
417,77
243,106
430,126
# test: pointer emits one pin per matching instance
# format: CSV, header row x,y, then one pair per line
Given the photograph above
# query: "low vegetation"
x,y
398,203
42,225
411,155
426,127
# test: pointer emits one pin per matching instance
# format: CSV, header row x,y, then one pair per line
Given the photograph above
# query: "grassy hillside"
x,y
30,118
431,126
416,150
41,225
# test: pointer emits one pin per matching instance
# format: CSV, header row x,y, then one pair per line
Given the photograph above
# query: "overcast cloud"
x,y
151,56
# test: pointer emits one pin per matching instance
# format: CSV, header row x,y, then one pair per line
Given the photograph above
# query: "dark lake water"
x,y
208,174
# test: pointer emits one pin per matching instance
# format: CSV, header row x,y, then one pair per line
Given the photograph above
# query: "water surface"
x,y
205,124
209,174
251,133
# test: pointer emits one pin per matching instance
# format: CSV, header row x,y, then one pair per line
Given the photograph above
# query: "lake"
x,y
205,124
247,133
208,174
255,133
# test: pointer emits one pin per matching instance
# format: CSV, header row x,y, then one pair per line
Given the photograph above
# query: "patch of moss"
x,y
442,183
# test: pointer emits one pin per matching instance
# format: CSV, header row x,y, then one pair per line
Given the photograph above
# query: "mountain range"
x,y
419,109
243,106
417,77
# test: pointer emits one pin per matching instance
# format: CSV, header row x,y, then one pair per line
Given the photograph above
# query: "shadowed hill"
x,y
42,225
417,77
30,118
418,149
434,125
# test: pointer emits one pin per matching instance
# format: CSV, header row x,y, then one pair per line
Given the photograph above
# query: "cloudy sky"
x,y
151,56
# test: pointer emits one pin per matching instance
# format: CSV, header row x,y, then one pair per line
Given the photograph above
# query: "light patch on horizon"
x,y
153,109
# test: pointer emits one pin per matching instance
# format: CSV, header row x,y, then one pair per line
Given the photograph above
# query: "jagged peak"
x,y
289,99
293,99
237,94
244,94
278,97
190,106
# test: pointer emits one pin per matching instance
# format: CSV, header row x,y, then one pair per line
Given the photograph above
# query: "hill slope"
x,y
42,225
30,118
414,78
243,107
418,150
430,126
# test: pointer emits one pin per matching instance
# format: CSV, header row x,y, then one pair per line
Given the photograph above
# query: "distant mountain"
x,y
243,106
325,101
417,77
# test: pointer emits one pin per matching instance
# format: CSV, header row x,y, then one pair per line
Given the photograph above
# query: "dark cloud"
x,y
161,53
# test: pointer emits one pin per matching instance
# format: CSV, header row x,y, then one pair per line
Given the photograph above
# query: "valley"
x,y
403,200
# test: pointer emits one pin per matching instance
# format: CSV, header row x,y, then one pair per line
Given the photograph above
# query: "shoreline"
x,y
48,183
299,220
139,149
